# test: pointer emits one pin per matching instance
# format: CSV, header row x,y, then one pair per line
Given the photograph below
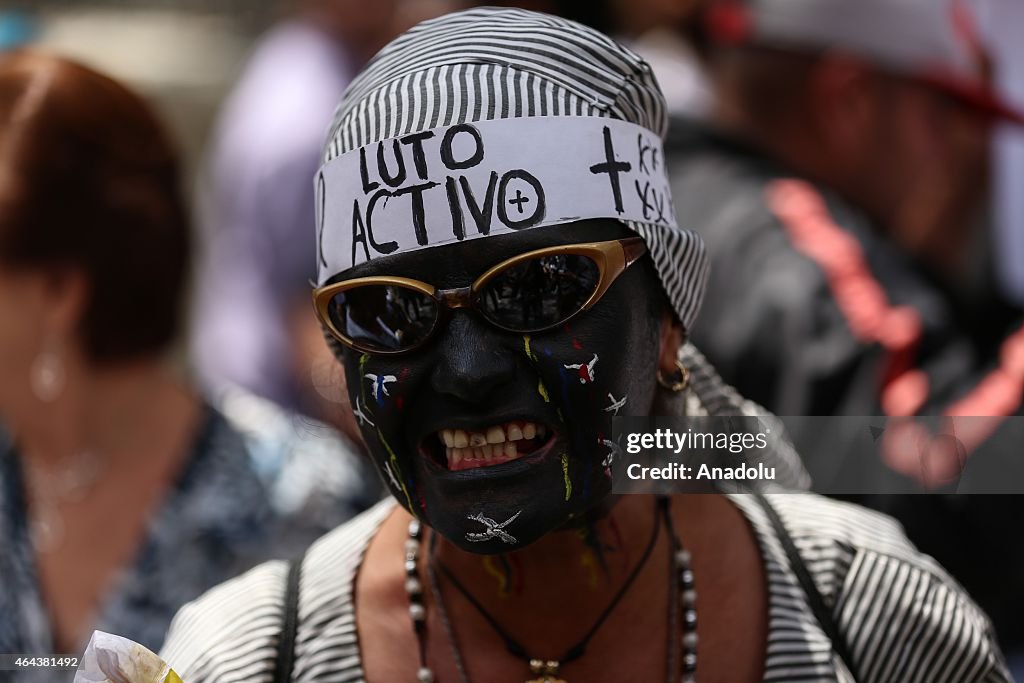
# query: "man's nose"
x,y
472,362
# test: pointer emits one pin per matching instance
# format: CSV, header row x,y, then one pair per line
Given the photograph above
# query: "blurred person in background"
x,y
663,33
123,493
1002,22
18,27
253,325
838,189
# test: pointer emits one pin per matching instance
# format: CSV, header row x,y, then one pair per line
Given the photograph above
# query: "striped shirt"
x,y
902,617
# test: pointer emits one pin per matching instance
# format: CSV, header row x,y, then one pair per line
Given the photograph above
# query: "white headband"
x,y
492,177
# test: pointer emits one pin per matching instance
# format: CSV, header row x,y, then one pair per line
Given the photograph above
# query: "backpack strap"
x,y
815,600
285,660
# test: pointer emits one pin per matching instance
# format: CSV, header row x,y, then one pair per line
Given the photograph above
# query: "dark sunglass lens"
x,y
540,292
384,317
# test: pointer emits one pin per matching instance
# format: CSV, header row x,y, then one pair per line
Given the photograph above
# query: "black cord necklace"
x,y
547,671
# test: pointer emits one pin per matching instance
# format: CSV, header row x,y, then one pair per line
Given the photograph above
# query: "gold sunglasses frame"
x,y
612,257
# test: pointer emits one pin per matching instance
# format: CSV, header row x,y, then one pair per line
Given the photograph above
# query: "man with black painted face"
x,y
482,420
484,359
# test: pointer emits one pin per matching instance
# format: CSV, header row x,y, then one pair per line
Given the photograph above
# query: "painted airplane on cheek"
x,y
584,370
493,530
360,412
380,385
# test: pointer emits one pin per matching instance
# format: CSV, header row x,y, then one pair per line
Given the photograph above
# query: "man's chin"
x,y
497,524
475,536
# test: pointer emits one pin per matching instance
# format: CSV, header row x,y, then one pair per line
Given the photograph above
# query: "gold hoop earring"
x,y
678,381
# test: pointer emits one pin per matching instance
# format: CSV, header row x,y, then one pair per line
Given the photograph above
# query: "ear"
x,y
66,295
672,337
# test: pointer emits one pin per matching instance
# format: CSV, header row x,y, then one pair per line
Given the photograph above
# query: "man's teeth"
x,y
498,441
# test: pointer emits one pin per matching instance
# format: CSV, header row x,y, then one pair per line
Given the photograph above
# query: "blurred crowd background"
x,y
247,89
186,56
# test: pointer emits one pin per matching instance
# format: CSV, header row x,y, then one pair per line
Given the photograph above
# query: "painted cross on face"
x,y
615,404
584,370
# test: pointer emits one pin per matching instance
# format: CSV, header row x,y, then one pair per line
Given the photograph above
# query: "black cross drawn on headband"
x,y
519,201
613,168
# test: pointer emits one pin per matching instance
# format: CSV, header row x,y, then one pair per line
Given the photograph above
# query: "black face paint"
x,y
472,376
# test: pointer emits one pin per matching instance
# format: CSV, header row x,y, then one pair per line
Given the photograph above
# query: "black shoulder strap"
x,y
286,645
814,598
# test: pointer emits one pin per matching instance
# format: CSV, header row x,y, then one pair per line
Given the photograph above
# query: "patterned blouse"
x,y
260,484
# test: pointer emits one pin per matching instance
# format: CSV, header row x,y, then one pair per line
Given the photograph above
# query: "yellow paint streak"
x,y
543,391
526,345
565,474
589,562
491,567
397,470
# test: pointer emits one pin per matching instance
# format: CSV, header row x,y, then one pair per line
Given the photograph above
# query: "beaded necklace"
x,y
682,590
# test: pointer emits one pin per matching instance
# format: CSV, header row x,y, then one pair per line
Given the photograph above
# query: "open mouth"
x,y
462,449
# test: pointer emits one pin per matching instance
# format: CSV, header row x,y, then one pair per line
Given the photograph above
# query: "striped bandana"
x,y
489,121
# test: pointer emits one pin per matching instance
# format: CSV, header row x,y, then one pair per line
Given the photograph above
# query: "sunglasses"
x,y
533,292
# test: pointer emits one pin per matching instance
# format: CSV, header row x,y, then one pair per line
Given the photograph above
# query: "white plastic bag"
x,y
113,659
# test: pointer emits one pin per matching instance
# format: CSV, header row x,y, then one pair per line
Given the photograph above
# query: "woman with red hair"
x,y
123,493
